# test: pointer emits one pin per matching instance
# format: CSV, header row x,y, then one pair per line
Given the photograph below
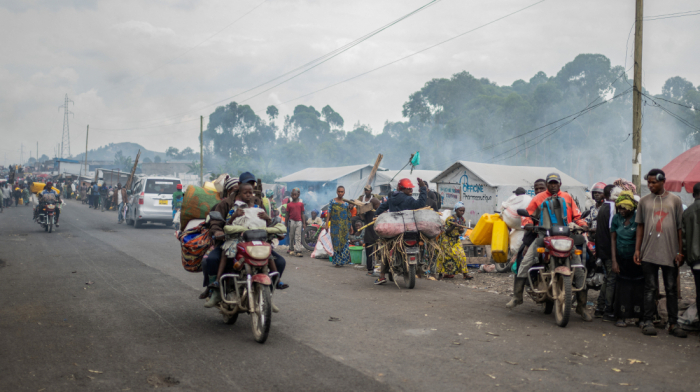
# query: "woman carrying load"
x,y
340,228
452,259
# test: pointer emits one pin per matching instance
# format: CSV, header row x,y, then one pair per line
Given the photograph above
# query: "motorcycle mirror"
x,y
523,212
215,215
585,214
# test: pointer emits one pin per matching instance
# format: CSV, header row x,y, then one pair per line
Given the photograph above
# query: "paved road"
x,y
138,325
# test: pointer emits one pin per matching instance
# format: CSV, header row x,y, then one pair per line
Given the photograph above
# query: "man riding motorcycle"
x,y
48,190
402,200
573,217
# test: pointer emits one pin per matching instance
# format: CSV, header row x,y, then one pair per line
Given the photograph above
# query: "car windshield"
x,y
161,186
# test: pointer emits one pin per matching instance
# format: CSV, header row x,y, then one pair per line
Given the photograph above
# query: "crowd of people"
x,y
634,239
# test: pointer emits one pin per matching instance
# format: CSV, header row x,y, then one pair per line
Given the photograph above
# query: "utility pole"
x,y
637,99
37,151
86,148
201,150
65,139
21,154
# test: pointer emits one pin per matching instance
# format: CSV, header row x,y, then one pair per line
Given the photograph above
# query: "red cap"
x,y
406,183
179,186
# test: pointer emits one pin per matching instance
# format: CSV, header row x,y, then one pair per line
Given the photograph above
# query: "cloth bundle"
x,y
196,204
626,201
194,243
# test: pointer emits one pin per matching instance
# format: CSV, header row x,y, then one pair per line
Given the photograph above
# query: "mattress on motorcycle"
x,y
392,224
196,203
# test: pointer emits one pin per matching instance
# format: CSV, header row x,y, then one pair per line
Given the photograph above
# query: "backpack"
x,y
553,212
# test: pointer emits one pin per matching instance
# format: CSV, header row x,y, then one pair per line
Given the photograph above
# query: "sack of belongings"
x,y
324,246
391,224
194,243
510,207
196,204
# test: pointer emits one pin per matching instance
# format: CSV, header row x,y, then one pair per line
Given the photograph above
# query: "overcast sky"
x,y
115,58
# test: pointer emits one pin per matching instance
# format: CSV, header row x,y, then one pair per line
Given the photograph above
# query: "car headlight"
x,y
563,245
258,252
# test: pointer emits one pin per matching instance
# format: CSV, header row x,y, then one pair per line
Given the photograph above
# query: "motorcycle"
x,y
595,270
309,236
47,214
550,280
405,263
248,288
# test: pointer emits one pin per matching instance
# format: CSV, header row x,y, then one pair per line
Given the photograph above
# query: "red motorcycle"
x,y
550,279
248,288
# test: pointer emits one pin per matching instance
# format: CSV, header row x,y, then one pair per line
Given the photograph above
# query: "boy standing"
x,y
295,217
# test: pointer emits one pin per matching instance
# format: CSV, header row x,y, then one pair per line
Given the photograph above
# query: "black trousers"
x,y
651,282
696,275
370,248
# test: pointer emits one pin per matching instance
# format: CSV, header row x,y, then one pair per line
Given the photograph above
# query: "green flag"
x,y
415,161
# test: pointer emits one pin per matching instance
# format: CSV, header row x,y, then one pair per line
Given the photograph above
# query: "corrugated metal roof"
x,y
323,174
500,175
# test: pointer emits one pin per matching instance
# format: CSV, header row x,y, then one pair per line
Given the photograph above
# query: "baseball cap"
x,y
552,177
246,178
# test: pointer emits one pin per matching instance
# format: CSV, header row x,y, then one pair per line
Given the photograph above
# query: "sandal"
x,y
282,286
380,281
448,276
621,323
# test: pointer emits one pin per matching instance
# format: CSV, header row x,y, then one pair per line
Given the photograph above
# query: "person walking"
x,y
690,229
370,238
603,251
339,222
452,259
7,195
658,246
629,287
119,199
295,216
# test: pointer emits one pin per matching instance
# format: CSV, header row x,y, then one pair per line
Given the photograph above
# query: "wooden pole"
x,y
133,170
86,149
201,150
637,99
373,173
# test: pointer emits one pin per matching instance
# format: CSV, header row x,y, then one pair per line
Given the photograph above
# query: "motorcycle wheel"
x,y
562,303
230,320
548,307
262,315
309,237
409,277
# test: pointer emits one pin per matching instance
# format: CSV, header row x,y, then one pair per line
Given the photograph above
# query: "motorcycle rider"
x,y
48,190
530,259
402,200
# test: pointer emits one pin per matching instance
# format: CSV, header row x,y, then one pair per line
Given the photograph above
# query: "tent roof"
x,y
322,174
504,175
683,171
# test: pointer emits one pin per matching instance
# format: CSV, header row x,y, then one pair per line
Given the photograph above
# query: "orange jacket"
x,y
572,211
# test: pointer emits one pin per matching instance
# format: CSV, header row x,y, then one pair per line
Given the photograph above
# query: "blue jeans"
x,y
120,212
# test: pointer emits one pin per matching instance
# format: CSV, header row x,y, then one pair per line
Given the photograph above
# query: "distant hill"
x,y
106,153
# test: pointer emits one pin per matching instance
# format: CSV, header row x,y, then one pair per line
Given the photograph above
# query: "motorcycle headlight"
x,y
563,245
258,252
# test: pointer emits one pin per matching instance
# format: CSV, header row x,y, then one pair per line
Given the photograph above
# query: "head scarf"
x,y
231,182
269,193
626,201
459,204
296,189
316,211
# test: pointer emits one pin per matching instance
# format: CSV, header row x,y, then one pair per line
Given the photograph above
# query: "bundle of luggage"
x,y
392,224
194,238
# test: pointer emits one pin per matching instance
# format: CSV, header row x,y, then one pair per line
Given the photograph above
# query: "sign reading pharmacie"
x,y
478,198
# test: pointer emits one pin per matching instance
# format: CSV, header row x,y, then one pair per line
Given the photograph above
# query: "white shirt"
x,y
119,197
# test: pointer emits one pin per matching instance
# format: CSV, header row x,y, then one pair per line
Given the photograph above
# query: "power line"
x,y
672,15
186,51
316,62
412,54
556,129
674,115
151,127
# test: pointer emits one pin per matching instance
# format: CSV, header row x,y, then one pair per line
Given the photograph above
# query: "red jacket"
x,y
572,211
